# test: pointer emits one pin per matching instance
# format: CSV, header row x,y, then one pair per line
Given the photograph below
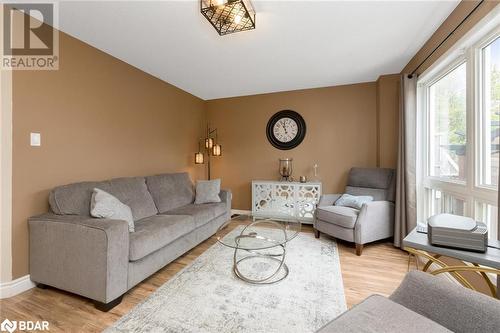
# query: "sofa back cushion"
x,y
134,193
171,190
74,199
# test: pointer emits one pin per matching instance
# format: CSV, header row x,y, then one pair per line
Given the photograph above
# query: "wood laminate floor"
x,y
379,270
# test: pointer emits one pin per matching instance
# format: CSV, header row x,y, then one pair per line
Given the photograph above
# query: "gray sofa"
x,y
99,258
374,221
422,303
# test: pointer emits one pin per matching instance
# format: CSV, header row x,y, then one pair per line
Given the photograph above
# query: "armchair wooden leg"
x,y
359,249
316,233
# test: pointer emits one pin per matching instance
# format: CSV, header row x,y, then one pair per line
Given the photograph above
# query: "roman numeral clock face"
x,y
286,129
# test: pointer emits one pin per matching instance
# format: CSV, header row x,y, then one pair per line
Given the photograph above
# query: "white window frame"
x,y
426,128
479,83
472,191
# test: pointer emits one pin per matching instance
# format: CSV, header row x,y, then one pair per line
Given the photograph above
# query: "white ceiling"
x,y
296,45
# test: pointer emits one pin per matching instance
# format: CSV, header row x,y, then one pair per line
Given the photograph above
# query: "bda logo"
x,y
8,325
24,325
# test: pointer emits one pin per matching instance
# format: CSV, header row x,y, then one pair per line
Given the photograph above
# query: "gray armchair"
x,y
374,221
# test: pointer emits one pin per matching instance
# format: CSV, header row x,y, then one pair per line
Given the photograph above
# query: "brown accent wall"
x,y
452,21
99,118
341,133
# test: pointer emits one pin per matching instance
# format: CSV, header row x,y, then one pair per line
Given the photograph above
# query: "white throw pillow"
x,y
105,205
207,191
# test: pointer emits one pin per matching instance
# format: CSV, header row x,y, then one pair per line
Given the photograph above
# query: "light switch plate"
x,y
35,139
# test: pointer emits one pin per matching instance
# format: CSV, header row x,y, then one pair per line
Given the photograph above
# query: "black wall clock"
x,y
286,129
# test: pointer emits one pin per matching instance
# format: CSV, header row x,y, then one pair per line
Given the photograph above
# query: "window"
x,y
488,214
490,68
459,126
447,135
442,202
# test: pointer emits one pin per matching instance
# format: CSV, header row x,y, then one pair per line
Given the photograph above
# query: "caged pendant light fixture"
x,y
229,16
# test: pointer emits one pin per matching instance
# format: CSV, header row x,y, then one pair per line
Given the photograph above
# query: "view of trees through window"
x,y
491,116
448,125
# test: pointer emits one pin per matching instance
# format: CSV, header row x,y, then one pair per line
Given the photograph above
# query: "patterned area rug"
x,y
207,297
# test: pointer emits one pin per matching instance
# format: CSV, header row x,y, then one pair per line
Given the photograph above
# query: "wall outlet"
x,y
35,139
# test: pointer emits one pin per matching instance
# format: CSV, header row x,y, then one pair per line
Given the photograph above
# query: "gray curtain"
x,y
406,192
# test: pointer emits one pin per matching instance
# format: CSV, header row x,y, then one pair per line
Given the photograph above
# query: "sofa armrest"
x,y
375,221
226,196
328,199
82,255
450,305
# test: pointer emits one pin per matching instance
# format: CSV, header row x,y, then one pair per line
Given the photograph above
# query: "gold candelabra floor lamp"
x,y
211,147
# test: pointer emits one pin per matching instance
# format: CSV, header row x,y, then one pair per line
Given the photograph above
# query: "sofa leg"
x,y
359,249
105,307
41,286
316,233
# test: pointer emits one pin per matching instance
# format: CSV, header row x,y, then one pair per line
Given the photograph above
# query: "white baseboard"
x,y
15,287
240,212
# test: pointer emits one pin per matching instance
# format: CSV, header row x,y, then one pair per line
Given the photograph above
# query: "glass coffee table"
x,y
259,247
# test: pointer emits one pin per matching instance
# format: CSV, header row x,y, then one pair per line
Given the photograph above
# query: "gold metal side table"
x,y
484,264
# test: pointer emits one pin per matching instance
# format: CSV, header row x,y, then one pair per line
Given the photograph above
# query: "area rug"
x,y
207,297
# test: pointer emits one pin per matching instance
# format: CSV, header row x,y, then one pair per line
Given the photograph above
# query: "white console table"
x,y
277,198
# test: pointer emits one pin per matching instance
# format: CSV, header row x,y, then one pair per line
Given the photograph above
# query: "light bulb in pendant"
x,y
220,2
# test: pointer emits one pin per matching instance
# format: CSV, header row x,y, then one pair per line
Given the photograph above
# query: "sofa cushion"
x,y
438,298
342,216
171,190
379,314
74,199
207,191
201,214
154,232
134,193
